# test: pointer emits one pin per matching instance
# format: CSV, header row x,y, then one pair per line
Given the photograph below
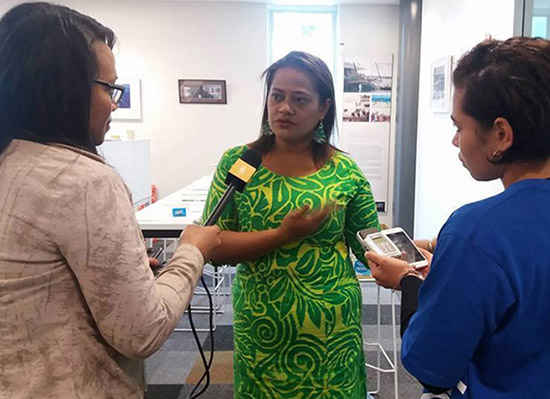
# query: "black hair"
x,y
318,71
510,79
47,63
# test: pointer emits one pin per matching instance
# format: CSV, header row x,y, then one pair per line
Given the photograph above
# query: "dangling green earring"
x,y
319,135
266,129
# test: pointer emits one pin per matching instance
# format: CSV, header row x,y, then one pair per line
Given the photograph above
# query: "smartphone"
x,y
410,252
373,240
362,236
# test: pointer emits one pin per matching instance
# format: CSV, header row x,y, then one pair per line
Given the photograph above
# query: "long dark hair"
x,y
510,79
319,73
47,64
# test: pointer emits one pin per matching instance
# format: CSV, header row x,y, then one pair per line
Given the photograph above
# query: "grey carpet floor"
x,y
167,370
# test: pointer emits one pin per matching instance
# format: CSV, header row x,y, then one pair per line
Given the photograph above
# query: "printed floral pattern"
x,y
297,310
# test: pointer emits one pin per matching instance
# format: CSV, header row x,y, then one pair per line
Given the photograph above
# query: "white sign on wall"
x,y
366,119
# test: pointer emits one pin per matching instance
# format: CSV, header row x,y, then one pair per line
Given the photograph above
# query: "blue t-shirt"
x,y
483,317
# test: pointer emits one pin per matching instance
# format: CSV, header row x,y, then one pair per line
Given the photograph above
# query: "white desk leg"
x,y
216,285
218,276
380,350
378,323
394,337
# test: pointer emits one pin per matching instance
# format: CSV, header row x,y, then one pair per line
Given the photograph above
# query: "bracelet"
x,y
410,272
430,246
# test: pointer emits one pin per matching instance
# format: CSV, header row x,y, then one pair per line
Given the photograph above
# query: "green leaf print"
x,y
296,303
315,313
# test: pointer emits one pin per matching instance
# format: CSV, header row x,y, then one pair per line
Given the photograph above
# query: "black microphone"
x,y
239,174
237,177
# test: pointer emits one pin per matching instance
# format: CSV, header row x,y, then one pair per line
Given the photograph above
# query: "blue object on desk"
x,y
178,212
361,269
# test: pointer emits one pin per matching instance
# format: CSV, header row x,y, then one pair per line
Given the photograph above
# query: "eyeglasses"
x,y
115,91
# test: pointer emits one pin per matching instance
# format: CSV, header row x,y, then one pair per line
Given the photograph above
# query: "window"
x,y
535,18
310,29
538,28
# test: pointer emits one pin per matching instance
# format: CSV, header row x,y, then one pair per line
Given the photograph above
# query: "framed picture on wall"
x,y
129,107
440,81
194,91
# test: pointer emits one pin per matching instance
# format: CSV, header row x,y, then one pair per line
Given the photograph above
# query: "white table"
x,y
157,221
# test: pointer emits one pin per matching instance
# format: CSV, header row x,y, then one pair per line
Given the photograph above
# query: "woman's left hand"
x,y
387,271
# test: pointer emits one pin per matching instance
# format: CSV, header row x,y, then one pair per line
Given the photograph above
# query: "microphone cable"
x,y
237,177
207,364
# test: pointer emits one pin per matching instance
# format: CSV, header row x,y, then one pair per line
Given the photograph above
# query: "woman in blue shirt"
x,y
478,326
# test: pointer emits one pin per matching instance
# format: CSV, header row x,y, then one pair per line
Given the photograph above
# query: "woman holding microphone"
x,y
79,306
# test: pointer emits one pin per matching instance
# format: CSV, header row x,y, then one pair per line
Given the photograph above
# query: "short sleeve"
x,y
461,302
360,213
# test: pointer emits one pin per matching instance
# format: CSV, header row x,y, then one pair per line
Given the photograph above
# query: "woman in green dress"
x,y
296,299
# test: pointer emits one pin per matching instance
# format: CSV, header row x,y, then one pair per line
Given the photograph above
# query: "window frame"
x,y
333,10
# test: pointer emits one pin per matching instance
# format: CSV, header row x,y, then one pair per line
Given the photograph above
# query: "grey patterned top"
x,y
79,306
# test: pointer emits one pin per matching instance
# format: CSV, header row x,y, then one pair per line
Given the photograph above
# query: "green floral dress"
x,y
297,310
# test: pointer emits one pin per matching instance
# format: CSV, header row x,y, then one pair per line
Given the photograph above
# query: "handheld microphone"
x,y
239,174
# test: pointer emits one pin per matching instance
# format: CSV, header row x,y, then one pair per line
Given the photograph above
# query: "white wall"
x,y
373,29
163,42
449,27
160,42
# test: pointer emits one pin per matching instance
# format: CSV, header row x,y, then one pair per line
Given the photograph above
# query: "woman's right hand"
x,y
426,269
206,239
387,271
302,222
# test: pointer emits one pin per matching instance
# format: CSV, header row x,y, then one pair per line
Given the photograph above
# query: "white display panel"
x,y
132,161
366,112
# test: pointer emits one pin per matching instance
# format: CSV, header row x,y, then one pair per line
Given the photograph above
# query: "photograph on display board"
x,y
356,107
366,105
380,108
366,77
440,100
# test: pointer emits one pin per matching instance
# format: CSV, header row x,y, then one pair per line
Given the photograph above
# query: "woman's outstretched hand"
x,y
303,222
